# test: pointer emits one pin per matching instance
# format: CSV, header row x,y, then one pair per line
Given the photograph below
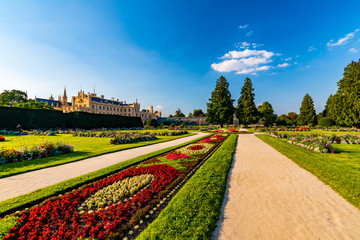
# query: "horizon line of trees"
x,y
342,108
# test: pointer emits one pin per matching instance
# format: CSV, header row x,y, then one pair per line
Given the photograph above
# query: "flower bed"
x,y
194,149
2,139
44,150
118,206
317,142
58,218
4,132
131,138
215,138
176,155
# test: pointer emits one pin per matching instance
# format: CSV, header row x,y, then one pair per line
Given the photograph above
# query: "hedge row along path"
x,y
28,182
270,197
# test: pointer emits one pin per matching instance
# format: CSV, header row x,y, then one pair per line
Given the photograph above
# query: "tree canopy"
x,y
307,112
344,106
198,113
178,113
267,113
220,108
31,104
8,98
247,112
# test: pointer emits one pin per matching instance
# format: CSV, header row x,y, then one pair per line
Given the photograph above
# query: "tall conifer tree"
x,y
220,108
344,107
247,112
307,112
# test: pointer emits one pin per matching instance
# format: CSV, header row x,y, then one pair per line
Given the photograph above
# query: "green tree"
x,y
31,104
247,112
12,97
307,112
198,113
220,108
152,122
293,117
190,115
344,106
327,106
267,113
283,120
178,113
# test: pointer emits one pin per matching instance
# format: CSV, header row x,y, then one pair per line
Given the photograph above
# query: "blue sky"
x,y
170,53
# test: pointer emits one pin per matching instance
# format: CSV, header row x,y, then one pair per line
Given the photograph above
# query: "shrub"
x,y
152,122
326,122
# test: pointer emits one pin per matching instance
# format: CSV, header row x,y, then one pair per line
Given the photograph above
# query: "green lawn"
x,y
340,171
318,131
84,147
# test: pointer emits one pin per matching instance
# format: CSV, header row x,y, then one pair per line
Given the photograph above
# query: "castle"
x,y
91,103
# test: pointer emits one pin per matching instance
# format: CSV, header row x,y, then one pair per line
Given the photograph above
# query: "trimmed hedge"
x,y
45,119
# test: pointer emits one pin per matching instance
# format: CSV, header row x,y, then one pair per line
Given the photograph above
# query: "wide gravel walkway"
x,y
25,183
270,197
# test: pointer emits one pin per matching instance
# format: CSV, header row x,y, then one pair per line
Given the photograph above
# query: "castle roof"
x,y
101,100
51,102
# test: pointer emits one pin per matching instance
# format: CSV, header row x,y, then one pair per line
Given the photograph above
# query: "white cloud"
x,y
353,50
244,26
158,107
255,45
283,65
242,45
287,59
249,33
248,53
343,40
244,62
311,48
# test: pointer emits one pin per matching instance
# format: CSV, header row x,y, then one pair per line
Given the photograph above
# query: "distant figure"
x,y
18,129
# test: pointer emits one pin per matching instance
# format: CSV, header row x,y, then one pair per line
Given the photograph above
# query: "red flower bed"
x,y
197,147
233,130
2,139
219,130
211,139
176,155
59,218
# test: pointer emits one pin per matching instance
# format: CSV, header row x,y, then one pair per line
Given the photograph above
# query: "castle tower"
x,y
64,97
151,109
51,98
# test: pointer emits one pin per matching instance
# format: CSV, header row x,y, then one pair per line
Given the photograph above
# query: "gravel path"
x,y
270,197
25,183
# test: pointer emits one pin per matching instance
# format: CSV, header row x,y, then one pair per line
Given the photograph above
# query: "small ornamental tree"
x,y
267,113
247,112
220,108
152,122
307,114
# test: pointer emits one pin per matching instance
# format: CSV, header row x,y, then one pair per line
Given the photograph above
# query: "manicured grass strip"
x,y
195,209
6,224
20,202
340,171
85,147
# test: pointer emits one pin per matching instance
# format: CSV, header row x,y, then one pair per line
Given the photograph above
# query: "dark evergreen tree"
x,y
344,107
327,106
178,113
267,113
220,108
307,112
198,113
247,112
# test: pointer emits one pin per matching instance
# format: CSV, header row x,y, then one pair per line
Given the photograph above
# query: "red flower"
x,y
176,155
